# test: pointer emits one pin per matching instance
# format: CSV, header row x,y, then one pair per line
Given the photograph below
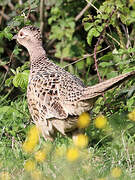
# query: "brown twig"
x,y
4,66
28,15
85,56
82,12
93,6
20,2
98,42
50,44
125,29
1,15
6,17
11,6
42,16
4,78
9,64
79,27
95,56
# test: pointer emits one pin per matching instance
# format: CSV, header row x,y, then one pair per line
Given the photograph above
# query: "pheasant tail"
x,y
98,89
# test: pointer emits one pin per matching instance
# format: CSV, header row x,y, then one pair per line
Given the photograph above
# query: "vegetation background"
x,y
94,40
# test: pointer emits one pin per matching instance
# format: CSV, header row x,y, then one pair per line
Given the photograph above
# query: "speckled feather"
x,y
55,97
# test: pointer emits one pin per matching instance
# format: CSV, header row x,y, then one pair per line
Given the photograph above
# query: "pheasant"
x,y
55,97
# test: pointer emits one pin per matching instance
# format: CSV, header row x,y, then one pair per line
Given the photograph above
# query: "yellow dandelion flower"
x,y
83,120
72,154
5,176
32,140
131,115
100,121
131,2
40,156
33,134
28,147
36,175
81,140
116,172
101,179
29,165
34,130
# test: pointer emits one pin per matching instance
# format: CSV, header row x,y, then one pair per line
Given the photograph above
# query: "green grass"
x,y
94,163
111,147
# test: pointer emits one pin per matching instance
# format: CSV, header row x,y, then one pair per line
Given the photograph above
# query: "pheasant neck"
x,y
38,58
36,52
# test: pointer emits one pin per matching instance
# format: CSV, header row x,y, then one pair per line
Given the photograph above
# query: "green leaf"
x,y
107,56
21,79
4,2
69,33
89,60
57,33
2,63
131,103
105,64
16,51
92,32
25,66
55,10
13,71
8,109
7,33
71,69
87,26
99,29
9,81
66,51
80,65
1,35
112,74
71,24
51,19
1,50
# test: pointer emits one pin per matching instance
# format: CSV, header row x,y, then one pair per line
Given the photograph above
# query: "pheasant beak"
x,y
14,37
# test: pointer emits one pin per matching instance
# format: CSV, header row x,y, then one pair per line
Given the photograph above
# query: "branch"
x,y
11,6
28,15
6,17
42,16
85,56
98,42
7,70
93,6
20,2
82,12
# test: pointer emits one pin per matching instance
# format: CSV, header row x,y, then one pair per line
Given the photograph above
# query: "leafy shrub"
x,y
102,33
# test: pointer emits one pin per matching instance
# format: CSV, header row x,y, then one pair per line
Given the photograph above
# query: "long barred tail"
x,y
96,90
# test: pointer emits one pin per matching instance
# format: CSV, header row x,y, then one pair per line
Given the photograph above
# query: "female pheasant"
x,y
55,97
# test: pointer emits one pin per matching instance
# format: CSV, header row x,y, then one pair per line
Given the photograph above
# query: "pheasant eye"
x,y
21,34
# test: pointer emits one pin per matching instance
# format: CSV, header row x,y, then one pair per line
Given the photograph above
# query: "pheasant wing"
x,y
46,92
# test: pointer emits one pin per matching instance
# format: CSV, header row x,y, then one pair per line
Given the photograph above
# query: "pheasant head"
x,y
29,36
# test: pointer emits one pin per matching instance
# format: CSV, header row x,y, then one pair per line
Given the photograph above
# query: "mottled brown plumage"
x,y
55,97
